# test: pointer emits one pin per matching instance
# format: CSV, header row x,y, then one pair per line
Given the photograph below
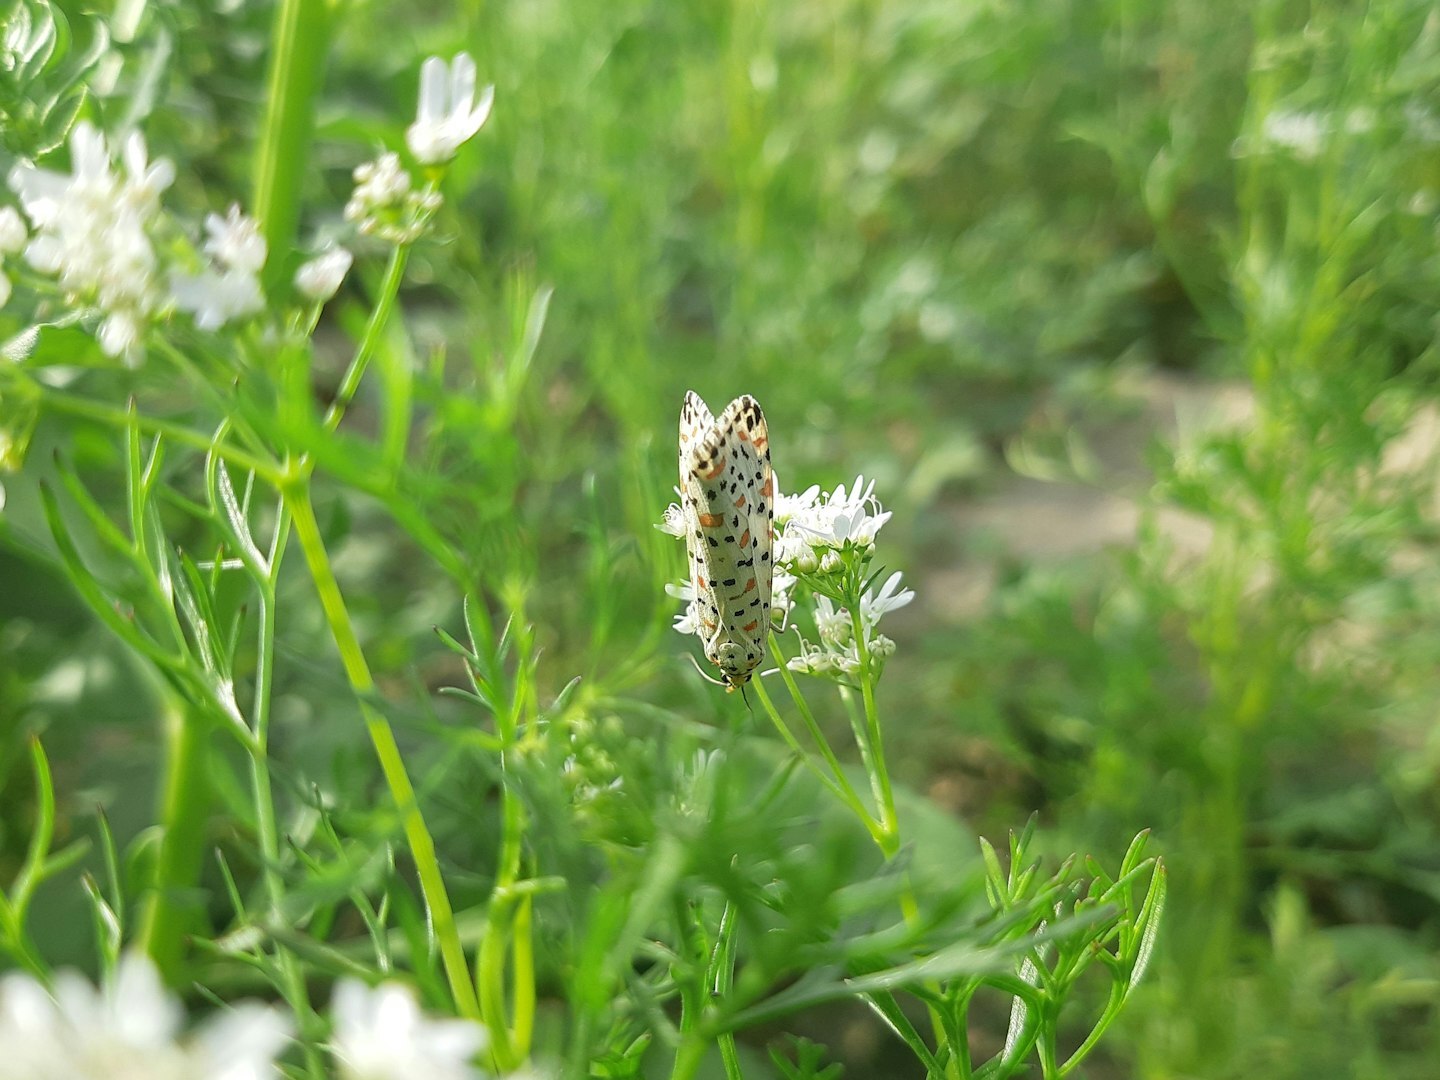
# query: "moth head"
x,y
734,664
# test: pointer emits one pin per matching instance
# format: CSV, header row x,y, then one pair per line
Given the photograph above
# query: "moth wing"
x,y
696,425
745,498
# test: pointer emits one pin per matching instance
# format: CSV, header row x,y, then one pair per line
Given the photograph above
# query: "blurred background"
x,y
1130,308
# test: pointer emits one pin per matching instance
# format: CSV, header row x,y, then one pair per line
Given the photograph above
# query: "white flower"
x,y
13,233
1303,133
119,333
92,230
320,278
234,241
817,660
832,622
674,521
688,621
381,1034
834,520
780,599
788,506
448,114
217,297
384,203
129,1030
890,597
147,180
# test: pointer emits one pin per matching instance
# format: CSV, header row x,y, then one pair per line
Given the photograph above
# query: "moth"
x,y
727,503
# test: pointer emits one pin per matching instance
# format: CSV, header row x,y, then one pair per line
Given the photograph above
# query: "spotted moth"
x,y
727,502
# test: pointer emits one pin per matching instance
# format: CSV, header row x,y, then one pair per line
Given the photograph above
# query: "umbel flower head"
x,y
93,228
386,204
101,233
824,547
129,1029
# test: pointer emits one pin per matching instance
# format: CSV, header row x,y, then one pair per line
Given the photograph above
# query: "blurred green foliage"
x,y
941,243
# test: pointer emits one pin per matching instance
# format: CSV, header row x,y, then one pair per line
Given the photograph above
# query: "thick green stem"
x,y
175,909
299,44
500,928
362,683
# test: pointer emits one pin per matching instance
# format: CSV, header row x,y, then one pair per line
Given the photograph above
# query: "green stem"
x,y
837,784
689,1057
292,975
500,928
117,417
174,909
873,746
362,683
299,44
370,340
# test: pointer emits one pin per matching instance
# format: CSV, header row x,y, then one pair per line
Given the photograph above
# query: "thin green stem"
x,y
873,746
370,340
837,784
362,683
118,417
292,975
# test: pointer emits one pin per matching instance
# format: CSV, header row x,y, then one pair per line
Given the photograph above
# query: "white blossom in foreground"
x,y
129,1030
381,1034
448,114
385,203
13,233
319,279
229,288
688,621
816,522
93,231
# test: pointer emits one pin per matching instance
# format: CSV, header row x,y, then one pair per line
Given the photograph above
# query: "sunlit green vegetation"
x,y
1129,309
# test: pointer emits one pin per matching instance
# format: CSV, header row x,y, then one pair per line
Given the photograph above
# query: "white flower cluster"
x,y
814,527
129,1030
229,288
837,652
132,1029
381,1034
386,203
819,538
93,231
101,233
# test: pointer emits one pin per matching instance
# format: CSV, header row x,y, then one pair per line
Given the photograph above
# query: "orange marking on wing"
x,y
742,434
761,441
769,489
745,540
719,468
749,628
748,587
740,503
711,521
